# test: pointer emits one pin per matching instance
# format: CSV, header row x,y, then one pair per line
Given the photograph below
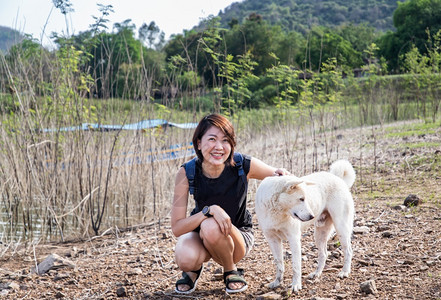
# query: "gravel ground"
x,y
397,249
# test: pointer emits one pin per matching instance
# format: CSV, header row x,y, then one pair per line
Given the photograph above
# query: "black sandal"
x,y
237,276
187,281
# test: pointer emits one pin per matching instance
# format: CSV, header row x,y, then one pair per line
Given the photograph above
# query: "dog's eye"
x,y
302,199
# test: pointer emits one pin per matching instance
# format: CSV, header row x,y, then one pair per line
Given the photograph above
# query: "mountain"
x,y
301,15
8,38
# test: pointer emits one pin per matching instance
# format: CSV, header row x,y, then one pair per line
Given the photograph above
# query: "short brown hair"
x,y
220,122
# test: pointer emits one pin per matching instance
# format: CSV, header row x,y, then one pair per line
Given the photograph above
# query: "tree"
x,y
27,59
289,47
65,7
411,19
361,36
324,44
256,37
152,34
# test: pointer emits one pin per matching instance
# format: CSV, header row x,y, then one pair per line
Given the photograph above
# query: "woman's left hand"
x,y
222,219
281,172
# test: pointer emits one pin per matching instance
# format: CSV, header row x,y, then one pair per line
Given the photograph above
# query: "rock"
x,y
368,287
218,275
52,262
14,286
400,207
135,271
412,200
387,234
4,293
269,296
9,286
424,268
59,295
61,277
121,292
336,253
361,229
383,228
430,263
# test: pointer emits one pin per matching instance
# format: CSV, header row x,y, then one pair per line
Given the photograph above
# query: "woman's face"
x,y
214,146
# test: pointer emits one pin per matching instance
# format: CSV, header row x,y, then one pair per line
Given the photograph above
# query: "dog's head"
x,y
294,198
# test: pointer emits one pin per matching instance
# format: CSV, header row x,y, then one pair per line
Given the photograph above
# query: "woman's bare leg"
x,y
225,250
190,253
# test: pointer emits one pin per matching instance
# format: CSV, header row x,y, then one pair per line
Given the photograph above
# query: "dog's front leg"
x,y
296,249
276,248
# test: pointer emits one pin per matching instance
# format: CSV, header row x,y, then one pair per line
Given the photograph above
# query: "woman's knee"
x,y
186,263
189,252
210,232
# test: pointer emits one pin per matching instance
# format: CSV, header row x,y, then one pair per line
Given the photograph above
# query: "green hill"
x,y
8,38
301,15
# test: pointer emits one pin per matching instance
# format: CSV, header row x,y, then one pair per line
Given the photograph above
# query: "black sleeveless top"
x,y
229,191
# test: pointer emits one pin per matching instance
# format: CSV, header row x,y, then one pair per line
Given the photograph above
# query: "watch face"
x,y
205,210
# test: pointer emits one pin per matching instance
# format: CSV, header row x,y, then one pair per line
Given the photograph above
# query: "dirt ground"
x,y
397,249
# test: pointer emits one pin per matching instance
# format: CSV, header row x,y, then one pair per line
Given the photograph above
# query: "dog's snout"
x,y
303,217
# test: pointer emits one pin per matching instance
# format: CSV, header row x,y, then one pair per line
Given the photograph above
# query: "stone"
x,y
218,275
412,201
269,296
52,262
361,229
368,287
121,292
61,277
387,234
400,207
9,286
383,228
3,293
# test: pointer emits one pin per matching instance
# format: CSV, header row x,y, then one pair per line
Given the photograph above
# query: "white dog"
x,y
287,204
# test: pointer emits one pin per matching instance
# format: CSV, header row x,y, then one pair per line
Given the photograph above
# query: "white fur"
x,y
287,204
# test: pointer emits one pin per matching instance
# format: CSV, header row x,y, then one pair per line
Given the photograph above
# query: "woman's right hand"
x,y
222,219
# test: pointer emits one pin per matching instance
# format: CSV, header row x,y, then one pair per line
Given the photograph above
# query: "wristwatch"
x,y
206,211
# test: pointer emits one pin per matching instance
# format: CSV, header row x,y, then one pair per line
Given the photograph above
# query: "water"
x,y
15,227
34,221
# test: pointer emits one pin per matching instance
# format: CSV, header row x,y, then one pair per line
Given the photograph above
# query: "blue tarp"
x,y
129,158
142,125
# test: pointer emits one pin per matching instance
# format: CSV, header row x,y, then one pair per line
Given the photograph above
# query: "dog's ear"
x,y
291,185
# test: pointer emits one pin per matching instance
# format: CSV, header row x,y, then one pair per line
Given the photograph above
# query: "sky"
x,y
40,18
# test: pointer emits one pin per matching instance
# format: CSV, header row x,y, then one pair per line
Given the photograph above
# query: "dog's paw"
x,y
274,284
295,287
343,274
314,275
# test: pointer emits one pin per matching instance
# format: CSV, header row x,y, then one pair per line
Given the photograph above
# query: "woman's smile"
x,y
215,147
217,155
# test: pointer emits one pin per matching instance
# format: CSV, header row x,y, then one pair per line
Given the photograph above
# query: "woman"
x,y
220,226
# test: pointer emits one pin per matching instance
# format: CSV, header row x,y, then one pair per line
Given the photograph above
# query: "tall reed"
x,y
59,184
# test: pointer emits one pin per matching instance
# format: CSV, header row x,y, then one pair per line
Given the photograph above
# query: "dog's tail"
x,y
343,169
